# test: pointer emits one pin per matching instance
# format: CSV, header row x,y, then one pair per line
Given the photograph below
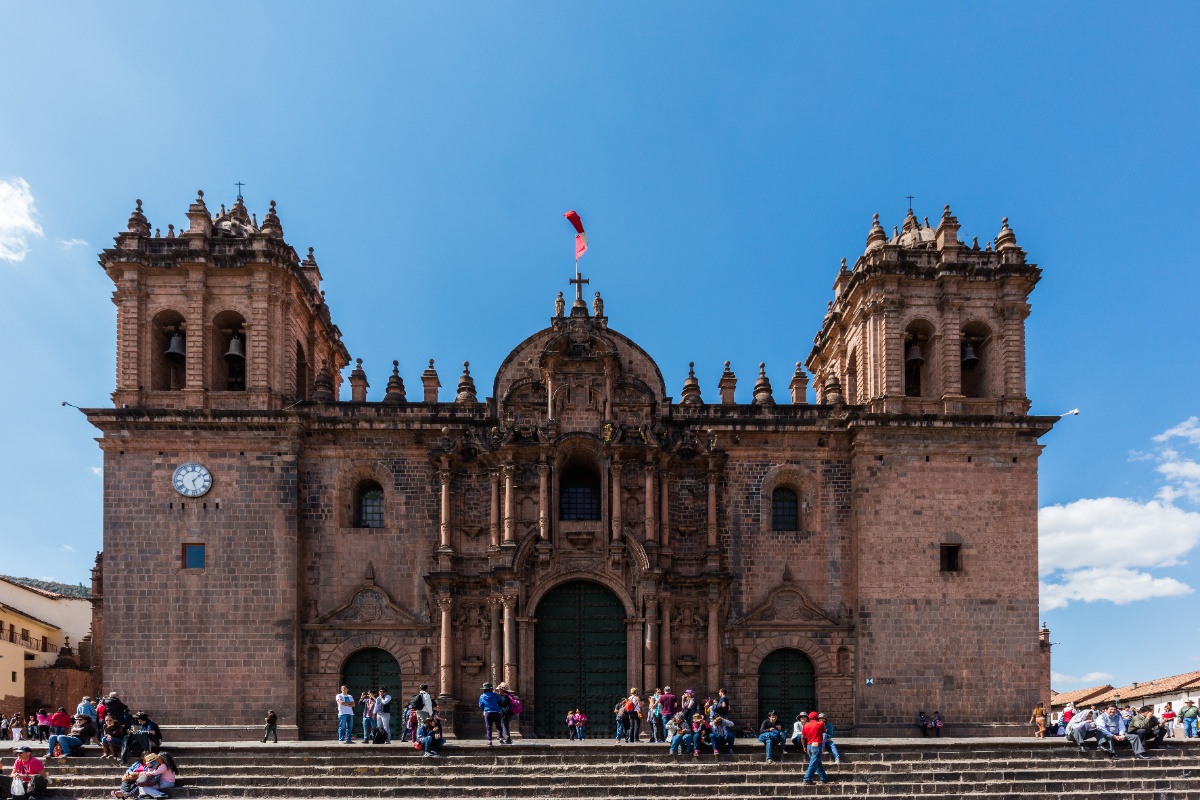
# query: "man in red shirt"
x,y
30,772
813,734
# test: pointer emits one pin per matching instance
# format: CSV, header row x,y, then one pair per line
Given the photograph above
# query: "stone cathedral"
x,y
579,531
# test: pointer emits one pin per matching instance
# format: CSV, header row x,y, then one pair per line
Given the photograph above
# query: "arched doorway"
x,y
787,683
579,658
370,670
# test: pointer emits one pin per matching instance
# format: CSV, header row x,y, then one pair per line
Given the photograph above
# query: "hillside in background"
x,y
65,589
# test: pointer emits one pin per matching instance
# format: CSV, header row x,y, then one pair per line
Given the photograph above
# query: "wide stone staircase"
x,y
876,768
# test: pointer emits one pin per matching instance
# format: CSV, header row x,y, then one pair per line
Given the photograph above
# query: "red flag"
x,y
581,242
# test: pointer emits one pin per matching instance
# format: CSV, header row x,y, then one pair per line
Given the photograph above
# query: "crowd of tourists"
x,y
1111,728
420,720
130,737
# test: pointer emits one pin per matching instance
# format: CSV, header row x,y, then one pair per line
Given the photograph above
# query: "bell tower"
x,y
925,324
223,315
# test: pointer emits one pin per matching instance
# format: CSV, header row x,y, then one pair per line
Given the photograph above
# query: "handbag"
x,y
18,788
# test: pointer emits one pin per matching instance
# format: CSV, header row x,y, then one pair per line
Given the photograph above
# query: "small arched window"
x,y
369,505
785,510
579,495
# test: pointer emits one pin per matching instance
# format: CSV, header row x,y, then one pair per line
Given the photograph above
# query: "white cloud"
x,y
1113,584
1114,530
66,547
97,471
1101,548
1091,679
17,219
1188,429
68,243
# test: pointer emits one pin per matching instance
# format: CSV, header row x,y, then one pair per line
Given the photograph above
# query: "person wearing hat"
x,y
493,711
508,702
829,745
30,772
813,734
1189,715
88,709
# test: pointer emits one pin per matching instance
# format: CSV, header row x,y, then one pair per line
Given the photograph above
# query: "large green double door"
x,y
580,658
368,671
787,684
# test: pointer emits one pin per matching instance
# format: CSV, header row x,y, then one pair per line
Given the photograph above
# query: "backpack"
x,y
417,704
379,736
516,705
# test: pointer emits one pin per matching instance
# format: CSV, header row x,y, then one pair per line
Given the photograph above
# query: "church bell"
x,y
913,357
969,359
237,350
175,350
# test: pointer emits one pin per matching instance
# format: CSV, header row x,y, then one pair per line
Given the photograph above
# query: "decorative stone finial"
x,y
974,242
762,387
199,220
833,391
158,233
358,383
691,388
430,380
727,385
137,221
560,305
271,224
395,387
170,231
323,384
877,237
947,230
799,386
844,267
1006,239
466,386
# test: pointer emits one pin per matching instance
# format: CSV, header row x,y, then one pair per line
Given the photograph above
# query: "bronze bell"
x,y
912,356
237,350
175,350
969,359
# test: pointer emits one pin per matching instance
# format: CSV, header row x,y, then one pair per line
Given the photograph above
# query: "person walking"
x,y
345,710
813,734
270,727
1038,717
493,711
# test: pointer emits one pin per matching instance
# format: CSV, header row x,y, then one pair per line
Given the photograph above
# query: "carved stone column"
x,y
664,645
509,505
616,500
651,524
664,513
543,501
444,528
714,646
446,647
712,507
510,642
494,517
496,645
650,656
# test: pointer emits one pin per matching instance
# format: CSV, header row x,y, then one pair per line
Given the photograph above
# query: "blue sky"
x,y
724,157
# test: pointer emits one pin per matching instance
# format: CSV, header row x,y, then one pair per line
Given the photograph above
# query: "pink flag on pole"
x,y
581,242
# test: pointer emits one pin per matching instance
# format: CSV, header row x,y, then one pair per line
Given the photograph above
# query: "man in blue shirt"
x,y
493,710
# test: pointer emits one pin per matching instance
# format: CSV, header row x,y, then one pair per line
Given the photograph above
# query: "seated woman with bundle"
x,y
148,777
112,737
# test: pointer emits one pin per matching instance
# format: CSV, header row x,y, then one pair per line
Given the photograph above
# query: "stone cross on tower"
x,y
578,281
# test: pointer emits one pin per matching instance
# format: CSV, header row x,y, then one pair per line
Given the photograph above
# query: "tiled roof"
x,y
1154,688
1060,699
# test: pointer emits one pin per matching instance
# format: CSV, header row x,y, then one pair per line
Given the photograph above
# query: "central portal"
x,y
579,658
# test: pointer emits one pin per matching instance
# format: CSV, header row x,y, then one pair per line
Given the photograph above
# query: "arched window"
x,y
369,505
919,356
301,373
228,352
976,339
579,495
785,510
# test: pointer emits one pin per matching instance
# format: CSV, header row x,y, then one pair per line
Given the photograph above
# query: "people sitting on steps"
x,y
430,735
148,776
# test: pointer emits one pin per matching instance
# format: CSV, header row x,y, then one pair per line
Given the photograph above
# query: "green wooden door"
x,y
787,683
371,670
579,658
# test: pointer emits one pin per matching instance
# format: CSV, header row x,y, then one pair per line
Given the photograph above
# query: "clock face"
x,y
192,479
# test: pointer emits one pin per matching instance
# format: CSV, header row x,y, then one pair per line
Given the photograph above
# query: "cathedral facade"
x,y
579,531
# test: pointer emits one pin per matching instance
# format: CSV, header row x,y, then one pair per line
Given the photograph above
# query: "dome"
x,y
913,234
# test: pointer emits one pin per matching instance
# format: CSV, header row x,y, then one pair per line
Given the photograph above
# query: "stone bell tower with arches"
x,y
223,315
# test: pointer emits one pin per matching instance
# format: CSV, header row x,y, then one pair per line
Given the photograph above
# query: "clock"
x,y
192,479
